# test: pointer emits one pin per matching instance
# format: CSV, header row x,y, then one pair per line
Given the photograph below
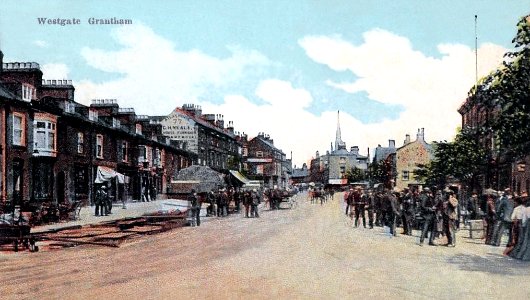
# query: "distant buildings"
x,y
263,161
332,167
408,158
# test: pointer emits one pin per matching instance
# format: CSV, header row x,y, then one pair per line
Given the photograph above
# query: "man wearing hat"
x,y
195,209
407,211
427,210
255,201
504,221
101,201
449,218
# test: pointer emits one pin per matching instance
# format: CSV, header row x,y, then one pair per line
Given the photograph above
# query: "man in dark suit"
x,y
427,210
195,209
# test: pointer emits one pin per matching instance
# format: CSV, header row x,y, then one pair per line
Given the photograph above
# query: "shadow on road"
x,y
491,263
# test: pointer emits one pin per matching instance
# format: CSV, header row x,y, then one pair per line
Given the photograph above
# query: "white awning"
x,y
239,176
105,174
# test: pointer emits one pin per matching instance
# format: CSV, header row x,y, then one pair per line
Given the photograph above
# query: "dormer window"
x,y
116,123
93,115
259,153
69,107
27,92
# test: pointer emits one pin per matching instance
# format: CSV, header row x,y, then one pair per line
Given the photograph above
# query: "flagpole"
x,y
476,54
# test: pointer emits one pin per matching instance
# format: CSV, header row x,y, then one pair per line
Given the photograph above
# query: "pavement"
x,y
87,216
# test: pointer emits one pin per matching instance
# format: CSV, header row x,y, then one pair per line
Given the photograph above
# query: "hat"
x,y
426,189
103,186
254,190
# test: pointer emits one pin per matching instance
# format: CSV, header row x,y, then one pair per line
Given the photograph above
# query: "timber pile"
x,y
112,233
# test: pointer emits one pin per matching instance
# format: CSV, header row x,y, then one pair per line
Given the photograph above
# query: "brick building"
x,y
263,161
215,145
53,149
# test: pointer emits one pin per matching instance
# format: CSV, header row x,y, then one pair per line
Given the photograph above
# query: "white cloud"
x,y
287,122
41,43
390,71
156,77
55,71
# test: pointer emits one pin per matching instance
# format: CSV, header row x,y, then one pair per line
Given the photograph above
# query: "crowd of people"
x,y
224,201
438,213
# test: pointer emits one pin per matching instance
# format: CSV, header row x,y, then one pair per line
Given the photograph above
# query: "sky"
x,y
275,66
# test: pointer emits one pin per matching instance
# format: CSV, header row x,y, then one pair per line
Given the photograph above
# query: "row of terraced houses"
x,y
52,148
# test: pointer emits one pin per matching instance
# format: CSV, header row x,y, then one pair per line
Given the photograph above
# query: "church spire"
x,y
339,144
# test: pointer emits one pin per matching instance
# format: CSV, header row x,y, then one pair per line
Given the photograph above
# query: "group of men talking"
x,y
433,213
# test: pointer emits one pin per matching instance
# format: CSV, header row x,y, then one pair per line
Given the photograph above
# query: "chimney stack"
x,y
1,61
420,136
407,139
391,144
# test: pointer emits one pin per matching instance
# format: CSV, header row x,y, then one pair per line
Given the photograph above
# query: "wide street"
x,y
308,252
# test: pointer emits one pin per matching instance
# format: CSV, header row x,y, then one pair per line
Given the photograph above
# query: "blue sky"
x,y
227,55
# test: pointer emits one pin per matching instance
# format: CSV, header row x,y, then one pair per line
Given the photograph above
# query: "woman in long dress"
x,y
522,249
517,227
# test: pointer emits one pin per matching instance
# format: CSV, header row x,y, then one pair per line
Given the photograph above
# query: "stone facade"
x,y
407,159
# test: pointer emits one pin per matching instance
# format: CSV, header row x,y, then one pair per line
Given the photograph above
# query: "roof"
x,y
268,144
5,93
300,173
204,122
383,152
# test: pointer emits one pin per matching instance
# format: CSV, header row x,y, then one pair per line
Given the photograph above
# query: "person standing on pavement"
x,y
108,203
504,218
349,200
255,202
195,209
490,218
360,203
450,206
427,211
517,220
407,211
101,201
370,208
247,199
394,213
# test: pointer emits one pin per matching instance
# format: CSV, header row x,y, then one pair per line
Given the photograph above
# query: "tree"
x,y
379,172
463,159
355,175
506,92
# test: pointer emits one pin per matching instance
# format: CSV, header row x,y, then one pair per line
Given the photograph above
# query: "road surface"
x,y
308,252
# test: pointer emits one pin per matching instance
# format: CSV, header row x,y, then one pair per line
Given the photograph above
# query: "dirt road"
x,y
308,252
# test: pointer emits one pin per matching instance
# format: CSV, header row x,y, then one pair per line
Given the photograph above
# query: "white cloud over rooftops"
x,y
155,77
